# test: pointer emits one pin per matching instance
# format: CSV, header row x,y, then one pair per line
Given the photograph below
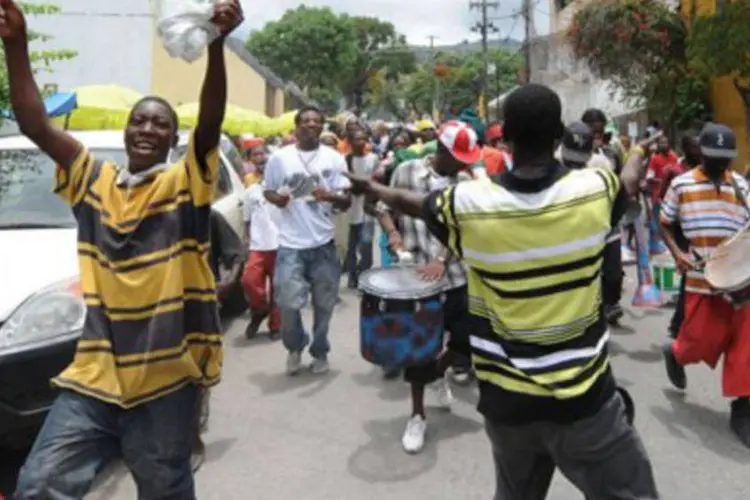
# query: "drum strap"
x,y
740,196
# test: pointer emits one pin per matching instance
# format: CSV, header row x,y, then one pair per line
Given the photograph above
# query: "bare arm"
x,y
213,99
339,201
280,200
632,171
668,234
28,105
400,200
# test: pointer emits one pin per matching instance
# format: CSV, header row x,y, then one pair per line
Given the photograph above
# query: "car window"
x,y
224,184
233,156
26,184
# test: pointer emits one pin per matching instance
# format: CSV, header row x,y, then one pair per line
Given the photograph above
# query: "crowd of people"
x,y
519,222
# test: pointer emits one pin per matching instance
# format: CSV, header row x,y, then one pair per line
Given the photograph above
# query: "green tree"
x,y
313,47
41,60
719,45
380,52
459,80
640,47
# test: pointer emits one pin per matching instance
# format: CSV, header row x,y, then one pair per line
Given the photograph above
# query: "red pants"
x,y
257,280
713,327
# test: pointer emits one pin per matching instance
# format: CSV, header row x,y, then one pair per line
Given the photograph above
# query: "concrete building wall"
x,y
113,39
553,64
180,82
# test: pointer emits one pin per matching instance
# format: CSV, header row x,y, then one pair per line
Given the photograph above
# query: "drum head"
x,y
728,269
398,282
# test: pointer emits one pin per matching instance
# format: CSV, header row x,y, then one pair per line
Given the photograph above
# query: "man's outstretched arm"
x,y
27,103
213,98
400,200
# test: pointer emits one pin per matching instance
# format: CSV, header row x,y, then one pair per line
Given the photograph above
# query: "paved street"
x,y
337,437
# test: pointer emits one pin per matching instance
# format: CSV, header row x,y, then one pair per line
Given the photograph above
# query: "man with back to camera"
x,y
306,181
539,341
151,337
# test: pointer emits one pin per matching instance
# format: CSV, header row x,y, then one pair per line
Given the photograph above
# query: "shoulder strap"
x,y
349,162
738,193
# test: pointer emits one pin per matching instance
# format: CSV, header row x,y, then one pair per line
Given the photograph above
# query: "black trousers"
x,y
679,311
612,273
458,323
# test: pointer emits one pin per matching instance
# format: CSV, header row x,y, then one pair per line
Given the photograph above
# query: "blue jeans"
x,y
359,250
386,259
299,271
81,435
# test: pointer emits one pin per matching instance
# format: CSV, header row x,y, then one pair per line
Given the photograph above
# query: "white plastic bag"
x,y
185,27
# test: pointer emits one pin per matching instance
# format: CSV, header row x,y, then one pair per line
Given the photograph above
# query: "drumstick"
x,y
700,263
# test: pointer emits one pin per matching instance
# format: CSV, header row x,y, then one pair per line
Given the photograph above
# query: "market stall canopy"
x,y
100,107
59,104
283,124
237,120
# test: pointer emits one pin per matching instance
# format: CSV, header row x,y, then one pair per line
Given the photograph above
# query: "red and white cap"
x,y
461,141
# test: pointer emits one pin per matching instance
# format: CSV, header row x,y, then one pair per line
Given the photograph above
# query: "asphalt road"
x,y
337,437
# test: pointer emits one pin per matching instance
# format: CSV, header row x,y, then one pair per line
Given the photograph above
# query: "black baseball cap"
x,y
577,143
718,141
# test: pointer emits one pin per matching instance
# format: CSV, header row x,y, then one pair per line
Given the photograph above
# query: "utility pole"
x,y
484,27
528,24
435,79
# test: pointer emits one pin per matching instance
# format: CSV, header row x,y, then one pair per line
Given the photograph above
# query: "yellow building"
x,y
726,102
250,84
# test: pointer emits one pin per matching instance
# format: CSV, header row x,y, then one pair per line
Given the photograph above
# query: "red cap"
x,y
461,141
248,143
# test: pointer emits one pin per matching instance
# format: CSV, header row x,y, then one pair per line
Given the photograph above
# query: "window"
x,y
26,182
224,184
233,156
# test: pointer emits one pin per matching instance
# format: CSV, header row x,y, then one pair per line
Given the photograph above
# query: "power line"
x,y
484,27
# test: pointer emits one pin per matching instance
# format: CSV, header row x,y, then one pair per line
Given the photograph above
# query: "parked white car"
x,y
41,313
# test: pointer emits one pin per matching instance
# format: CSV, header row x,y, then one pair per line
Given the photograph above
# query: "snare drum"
x,y
728,269
401,317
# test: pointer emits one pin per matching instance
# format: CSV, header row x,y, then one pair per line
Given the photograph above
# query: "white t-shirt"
x,y
361,165
305,223
262,217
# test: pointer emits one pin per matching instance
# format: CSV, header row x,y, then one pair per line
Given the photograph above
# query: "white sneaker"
x,y
441,394
294,363
319,366
413,438
461,378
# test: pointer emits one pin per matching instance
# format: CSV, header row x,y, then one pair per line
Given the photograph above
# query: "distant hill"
x,y
424,52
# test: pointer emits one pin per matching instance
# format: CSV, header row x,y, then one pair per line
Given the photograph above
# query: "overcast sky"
x,y
449,20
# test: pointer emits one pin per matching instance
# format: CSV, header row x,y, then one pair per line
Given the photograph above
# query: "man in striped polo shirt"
x,y
533,242
710,204
151,336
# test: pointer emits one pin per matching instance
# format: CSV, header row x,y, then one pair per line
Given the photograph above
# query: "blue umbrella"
x,y
59,104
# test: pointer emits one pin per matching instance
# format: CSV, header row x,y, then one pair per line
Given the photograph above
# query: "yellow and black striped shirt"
x,y
152,323
534,252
